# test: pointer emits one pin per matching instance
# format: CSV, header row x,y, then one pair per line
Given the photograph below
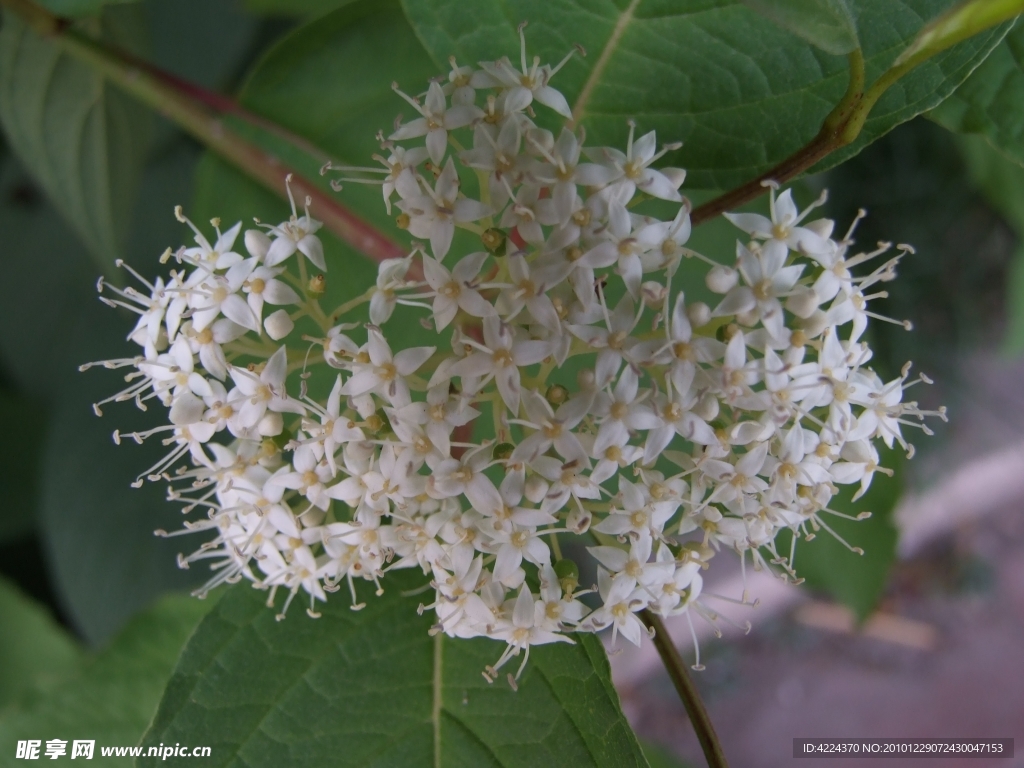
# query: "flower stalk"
x,y
687,691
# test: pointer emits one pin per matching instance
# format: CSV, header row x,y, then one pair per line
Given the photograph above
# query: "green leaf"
x,y
373,688
221,29
83,140
659,757
34,651
37,235
825,24
1001,179
98,532
1013,339
828,565
76,8
294,7
741,94
113,699
20,422
959,23
991,101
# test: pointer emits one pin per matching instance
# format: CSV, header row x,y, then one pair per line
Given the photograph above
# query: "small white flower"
x,y
385,373
621,601
552,429
390,277
217,256
529,84
783,227
262,286
630,169
218,295
500,357
434,212
465,476
265,391
296,234
457,289
435,120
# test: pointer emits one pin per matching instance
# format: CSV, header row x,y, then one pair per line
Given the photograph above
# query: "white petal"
x,y
280,249
313,249
237,309
277,293
409,360
437,144
612,558
522,614
549,97
751,223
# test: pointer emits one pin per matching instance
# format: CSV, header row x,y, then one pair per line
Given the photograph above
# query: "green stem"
x,y
695,710
351,304
179,103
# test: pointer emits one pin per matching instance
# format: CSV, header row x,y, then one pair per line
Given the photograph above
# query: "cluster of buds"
x,y
574,402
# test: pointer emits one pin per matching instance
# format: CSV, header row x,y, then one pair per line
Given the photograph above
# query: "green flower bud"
x,y
502,451
556,394
568,575
494,241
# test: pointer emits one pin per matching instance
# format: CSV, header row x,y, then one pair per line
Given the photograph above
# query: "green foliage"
x,y
991,101
1013,340
741,94
68,285
997,176
826,24
113,699
106,560
19,471
960,22
76,8
294,7
34,651
659,757
855,580
83,140
106,563
1001,180
220,29
373,688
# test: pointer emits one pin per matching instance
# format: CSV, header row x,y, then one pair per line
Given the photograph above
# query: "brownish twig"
x,y
198,112
692,702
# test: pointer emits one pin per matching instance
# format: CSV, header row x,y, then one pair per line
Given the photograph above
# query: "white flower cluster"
x,y
623,424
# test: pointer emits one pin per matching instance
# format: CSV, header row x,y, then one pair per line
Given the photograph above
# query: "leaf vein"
x,y
602,61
